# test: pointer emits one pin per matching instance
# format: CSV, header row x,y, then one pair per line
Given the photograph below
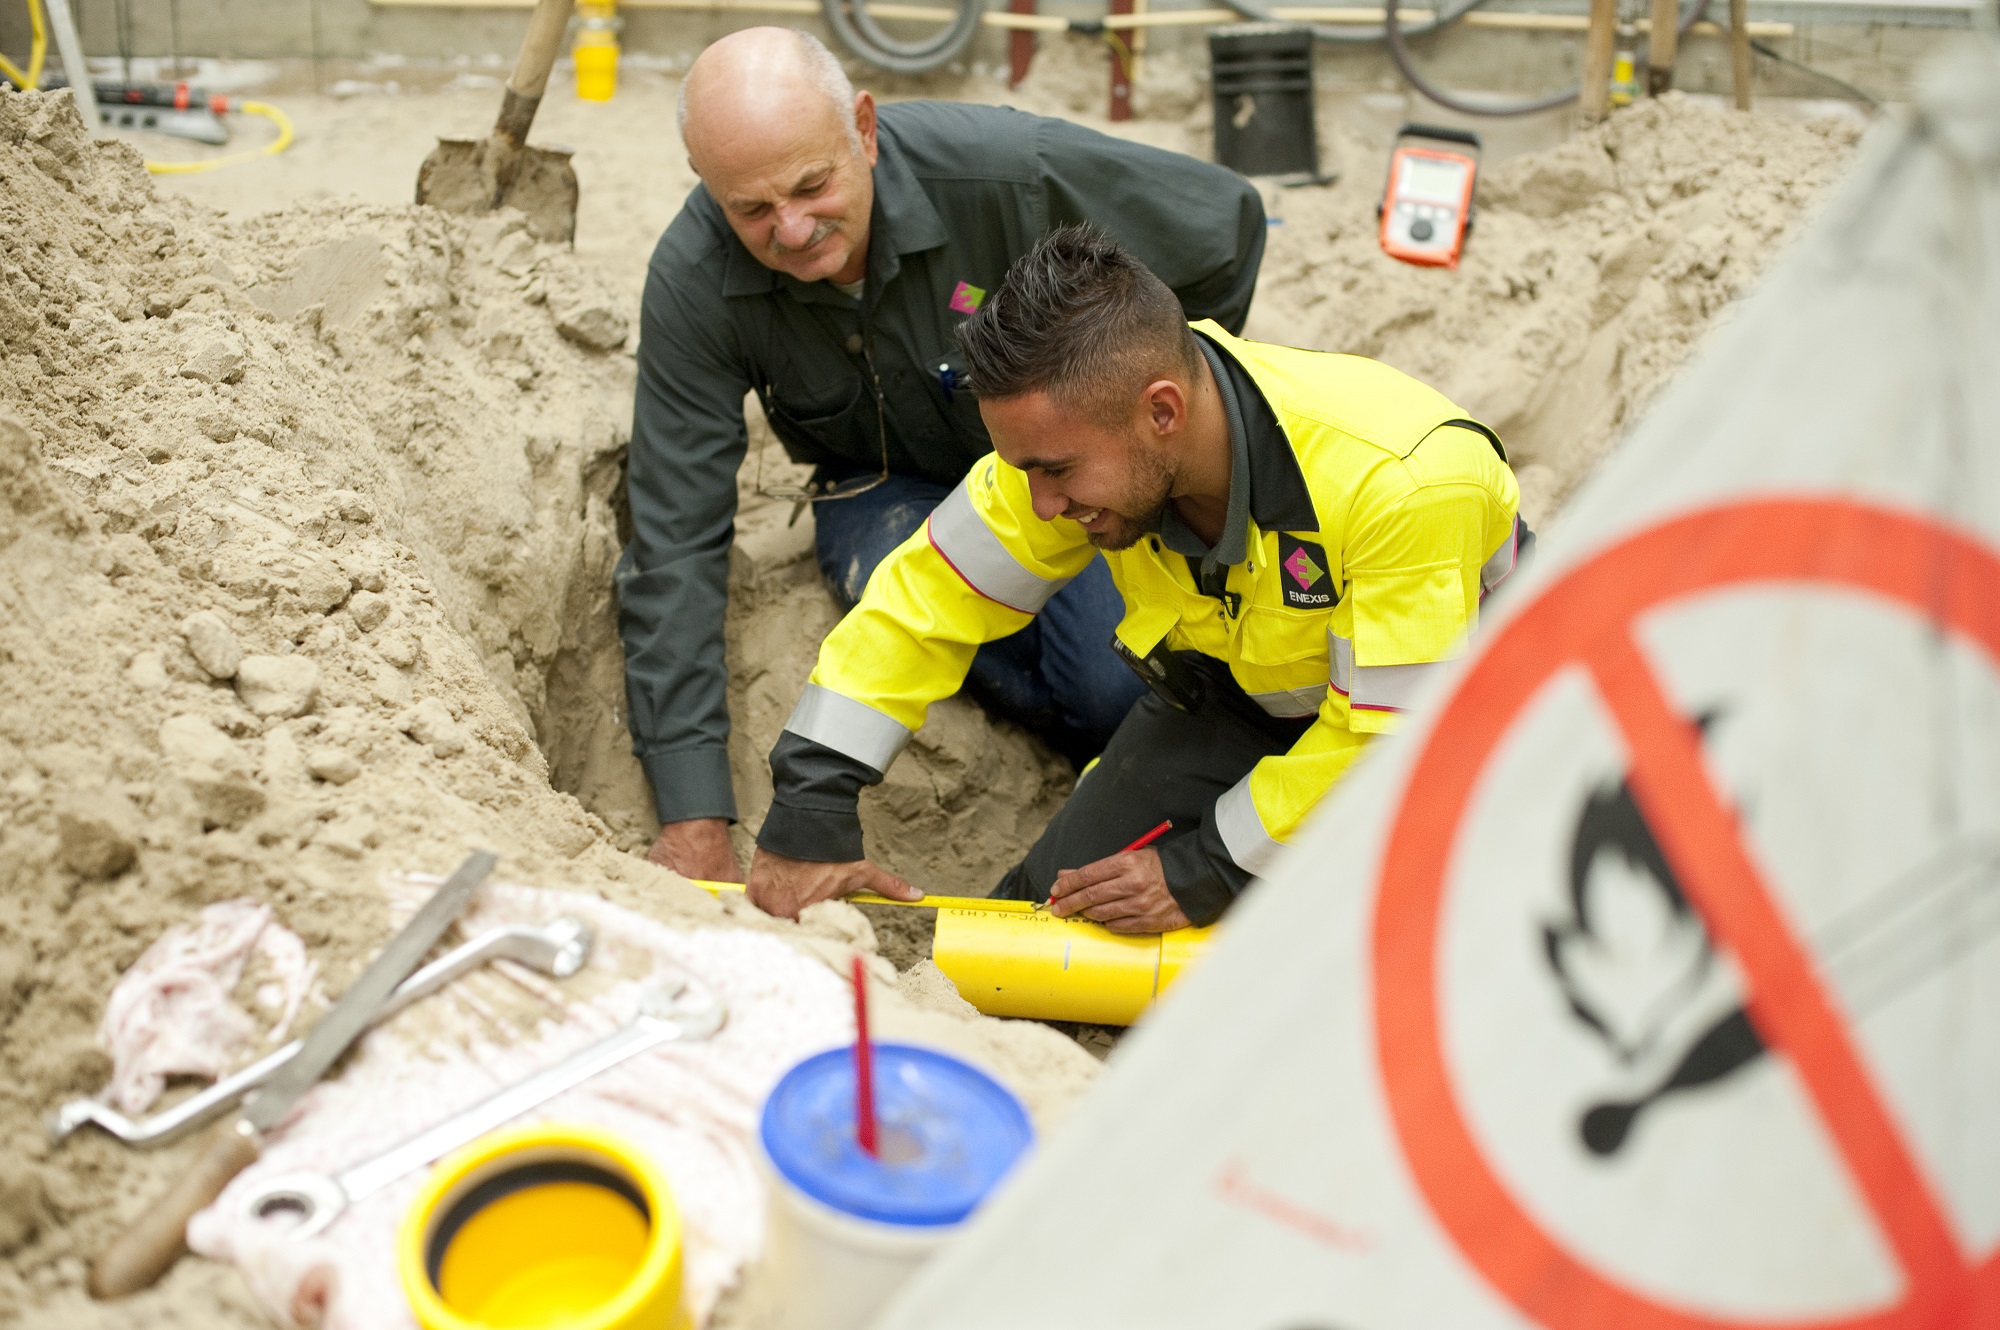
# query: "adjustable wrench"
x,y
558,950
679,1008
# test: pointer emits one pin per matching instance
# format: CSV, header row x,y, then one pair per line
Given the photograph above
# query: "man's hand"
x,y
784,886
1127,893
698,848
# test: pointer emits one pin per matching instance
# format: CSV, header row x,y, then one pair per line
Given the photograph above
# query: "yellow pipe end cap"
x,y
543,1225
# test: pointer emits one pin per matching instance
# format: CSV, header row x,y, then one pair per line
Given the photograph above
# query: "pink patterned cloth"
x,y
173,1013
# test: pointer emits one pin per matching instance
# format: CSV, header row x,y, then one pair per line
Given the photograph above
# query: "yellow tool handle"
x,y
149,1248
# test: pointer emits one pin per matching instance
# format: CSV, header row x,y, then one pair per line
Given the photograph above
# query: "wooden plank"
x,y
1027,22
1169,18
1595,92
1663,46
1739,51
1018,22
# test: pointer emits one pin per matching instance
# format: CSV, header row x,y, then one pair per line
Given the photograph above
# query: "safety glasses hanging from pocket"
x,y
815,492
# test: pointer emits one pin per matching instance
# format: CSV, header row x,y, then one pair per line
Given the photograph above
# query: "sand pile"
x,y
298,518
1592,272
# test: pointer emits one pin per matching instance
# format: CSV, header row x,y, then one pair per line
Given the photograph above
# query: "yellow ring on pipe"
x,y
543,1224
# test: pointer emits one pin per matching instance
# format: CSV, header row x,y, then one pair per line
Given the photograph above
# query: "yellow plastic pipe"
x,y
1013,958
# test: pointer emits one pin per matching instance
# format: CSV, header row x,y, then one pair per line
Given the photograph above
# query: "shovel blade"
x,y
459,176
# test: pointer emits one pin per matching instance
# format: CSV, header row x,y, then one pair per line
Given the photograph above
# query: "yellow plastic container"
x,y
544,1225
596,51
1623,82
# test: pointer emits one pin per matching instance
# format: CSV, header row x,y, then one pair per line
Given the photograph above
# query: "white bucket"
x,y
847,1230
831,1271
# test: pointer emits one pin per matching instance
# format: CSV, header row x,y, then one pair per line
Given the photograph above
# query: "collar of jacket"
x,y
903,221
1265,480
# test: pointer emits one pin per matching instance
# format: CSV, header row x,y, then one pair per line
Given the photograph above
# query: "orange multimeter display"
x,y
1427,207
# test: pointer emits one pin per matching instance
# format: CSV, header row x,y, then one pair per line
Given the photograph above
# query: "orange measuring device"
x,y
1426,209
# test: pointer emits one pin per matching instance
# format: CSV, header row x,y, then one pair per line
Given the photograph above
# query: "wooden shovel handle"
x,y
152,1245
539,51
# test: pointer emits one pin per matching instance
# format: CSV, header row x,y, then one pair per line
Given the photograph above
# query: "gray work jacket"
x,y
960,193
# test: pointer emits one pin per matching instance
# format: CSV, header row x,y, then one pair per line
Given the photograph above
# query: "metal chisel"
x,y
155,1242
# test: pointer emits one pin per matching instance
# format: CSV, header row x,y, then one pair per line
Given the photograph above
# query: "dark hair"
x,y
1079,317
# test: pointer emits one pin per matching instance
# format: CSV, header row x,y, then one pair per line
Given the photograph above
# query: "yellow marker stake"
x,y
1013,958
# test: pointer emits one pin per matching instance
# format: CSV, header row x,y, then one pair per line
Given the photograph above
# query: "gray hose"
x,y
1400,53
858,30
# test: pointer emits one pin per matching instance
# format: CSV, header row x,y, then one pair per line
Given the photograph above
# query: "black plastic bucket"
x,y
1262,77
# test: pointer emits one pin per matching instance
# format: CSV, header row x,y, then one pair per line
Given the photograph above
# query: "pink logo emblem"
x,y
1303,570
966,298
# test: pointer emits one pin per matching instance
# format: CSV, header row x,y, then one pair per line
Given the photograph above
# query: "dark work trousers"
x,y
1058,677
1162,763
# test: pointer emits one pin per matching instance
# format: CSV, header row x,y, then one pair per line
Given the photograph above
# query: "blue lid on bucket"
x,y
948,1133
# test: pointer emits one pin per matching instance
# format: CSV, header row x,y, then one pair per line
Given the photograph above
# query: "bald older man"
x,y
824,263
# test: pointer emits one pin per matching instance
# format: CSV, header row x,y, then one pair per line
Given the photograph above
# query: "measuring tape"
x,y
1014,958
1426,208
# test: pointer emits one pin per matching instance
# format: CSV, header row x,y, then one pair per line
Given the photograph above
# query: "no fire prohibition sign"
x,y
1588,620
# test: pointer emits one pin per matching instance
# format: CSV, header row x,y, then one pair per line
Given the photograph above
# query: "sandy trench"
x,y
383,448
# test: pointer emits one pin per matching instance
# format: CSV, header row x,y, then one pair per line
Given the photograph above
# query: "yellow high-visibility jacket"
x,y
1416,511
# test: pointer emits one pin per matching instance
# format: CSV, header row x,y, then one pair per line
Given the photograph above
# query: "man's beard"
x,y
1158,485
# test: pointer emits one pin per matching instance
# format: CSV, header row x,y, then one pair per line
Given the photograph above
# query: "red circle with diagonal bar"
x,y
1586,619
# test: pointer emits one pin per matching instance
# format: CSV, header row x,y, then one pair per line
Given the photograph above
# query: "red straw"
x,y
1149,837
864,1066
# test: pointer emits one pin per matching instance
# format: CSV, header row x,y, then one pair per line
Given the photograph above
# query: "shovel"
x,y
501,170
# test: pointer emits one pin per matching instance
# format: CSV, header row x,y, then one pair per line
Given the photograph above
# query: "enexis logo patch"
x,y
966,298
1302,572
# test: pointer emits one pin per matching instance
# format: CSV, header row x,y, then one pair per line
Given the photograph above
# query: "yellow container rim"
x,y
656,1280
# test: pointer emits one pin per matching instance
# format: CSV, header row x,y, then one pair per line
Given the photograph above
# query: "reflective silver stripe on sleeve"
x,y
850,728
1340,663
1291,703
1373,687
961,536
1494,571
1388,687
1242,830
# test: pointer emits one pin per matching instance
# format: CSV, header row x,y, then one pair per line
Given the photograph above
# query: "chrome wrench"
x,y
680,1008
558,949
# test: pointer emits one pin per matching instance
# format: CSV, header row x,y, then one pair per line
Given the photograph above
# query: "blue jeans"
x,y
1058,677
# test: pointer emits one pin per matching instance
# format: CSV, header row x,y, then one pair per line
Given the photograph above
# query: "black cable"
x,y
1853,93
1400,53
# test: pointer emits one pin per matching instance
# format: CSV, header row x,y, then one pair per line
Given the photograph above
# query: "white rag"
x,y
692,1107
172,1013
